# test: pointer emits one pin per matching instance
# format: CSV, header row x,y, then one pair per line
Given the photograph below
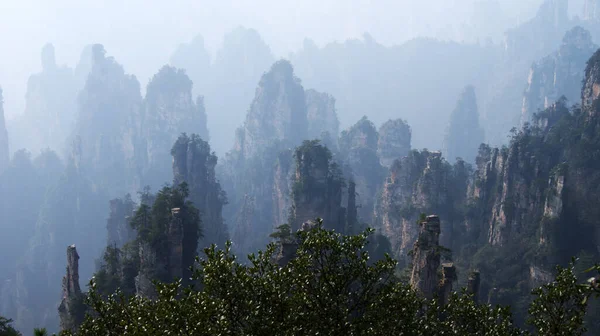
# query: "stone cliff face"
x,y
463,134
358,152
73,211
278,112
283,186
4,151
50,108
194,164
108,108
71,309
169,110
421,182
559,74
322,117
394,141
426,258
195,59
317,188
239,64
260,166
119,229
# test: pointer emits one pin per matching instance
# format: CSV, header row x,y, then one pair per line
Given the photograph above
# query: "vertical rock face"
x,y
559,74
473,285
71,309
4,151
50,108
260,165
463,134
358,149
278,112
175,238
243,58
421,182
445,285
426,258
282,187
194,164
108,106
194,58
322,117
591,84
119,229
394,141
169,110
317,188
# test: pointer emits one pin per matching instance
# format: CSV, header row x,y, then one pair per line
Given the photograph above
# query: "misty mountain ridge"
x,y
497,140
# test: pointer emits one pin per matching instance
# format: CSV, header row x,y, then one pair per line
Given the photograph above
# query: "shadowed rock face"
x,y
426,257
71,309
317,188
194,164
358,153
278,112
421,182
50,107
473,285
169,110
463,134
119,230
322,117
394,141
559,74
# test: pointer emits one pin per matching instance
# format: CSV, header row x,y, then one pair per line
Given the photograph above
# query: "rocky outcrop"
x,y
108,109
394,141
260,165
559,74
4,152
195,60
421,182
317,188
194,164
426,258
445,286
358,152
239,64
149,263
473,284
591,84
71,309
50,106
463,134
169,110
277,113
322,117
119,230
282,187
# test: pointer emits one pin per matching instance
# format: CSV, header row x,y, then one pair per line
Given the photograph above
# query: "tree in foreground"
x,y
329,288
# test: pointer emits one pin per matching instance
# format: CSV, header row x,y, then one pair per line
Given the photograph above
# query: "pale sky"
x,y
142,34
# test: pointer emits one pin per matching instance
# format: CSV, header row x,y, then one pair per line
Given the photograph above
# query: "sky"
x,y
142,34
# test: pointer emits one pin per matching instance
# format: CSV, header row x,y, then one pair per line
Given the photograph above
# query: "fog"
x,y
96,96
142,34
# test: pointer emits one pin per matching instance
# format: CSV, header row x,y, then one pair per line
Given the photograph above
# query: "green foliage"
x,y
6,329
283,233
329,288
151,221
560,306
40,332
